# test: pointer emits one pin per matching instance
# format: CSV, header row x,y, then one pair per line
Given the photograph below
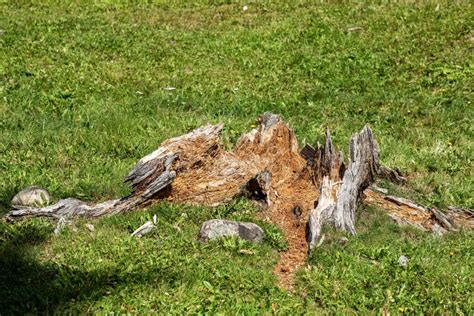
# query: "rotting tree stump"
x,y
299,190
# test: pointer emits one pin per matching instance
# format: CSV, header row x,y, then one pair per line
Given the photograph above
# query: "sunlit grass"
x,y
82,98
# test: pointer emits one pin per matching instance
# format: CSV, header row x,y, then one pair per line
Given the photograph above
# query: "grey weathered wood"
x,y
151,175
361,172
341,188
403,201
194,168
406,212
144,229
71,207
322,214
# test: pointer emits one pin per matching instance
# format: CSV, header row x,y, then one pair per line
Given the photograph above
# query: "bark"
x,y
267,166
300,191
194,168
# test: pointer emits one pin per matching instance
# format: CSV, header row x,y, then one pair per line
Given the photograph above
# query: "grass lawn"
x,y
85,92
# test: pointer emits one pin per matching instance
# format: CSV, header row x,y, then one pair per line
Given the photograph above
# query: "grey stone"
x,y
32,196
216,228
403,261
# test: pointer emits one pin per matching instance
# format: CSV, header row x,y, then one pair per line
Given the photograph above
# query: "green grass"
x,y
82,98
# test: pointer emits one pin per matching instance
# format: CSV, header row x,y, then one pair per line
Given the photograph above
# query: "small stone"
x,y
90,227
343,241
403,261
216,228
33,196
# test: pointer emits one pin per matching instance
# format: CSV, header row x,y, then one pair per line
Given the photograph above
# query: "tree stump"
x,y
299,190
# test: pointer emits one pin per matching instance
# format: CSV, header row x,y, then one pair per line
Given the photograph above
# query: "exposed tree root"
x,y
299,190
406,212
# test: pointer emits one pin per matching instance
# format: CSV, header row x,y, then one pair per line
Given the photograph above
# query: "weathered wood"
x,y
194,168
340,188
361,172
406,212
67,208
322,214
394,175
258,188
311,187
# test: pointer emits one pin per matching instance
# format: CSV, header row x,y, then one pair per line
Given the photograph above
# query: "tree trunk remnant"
x,y
341,188
297,189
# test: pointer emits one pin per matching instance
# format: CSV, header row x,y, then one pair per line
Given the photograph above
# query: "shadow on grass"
x,y
29,286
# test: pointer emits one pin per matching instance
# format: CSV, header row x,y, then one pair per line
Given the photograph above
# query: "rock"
x,y
32,196
403,261
90,227
343,241
216,228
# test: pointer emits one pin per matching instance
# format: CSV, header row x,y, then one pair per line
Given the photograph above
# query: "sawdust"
x,y
300,195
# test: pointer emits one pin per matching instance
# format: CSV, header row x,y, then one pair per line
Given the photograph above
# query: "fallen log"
x,y
299,191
